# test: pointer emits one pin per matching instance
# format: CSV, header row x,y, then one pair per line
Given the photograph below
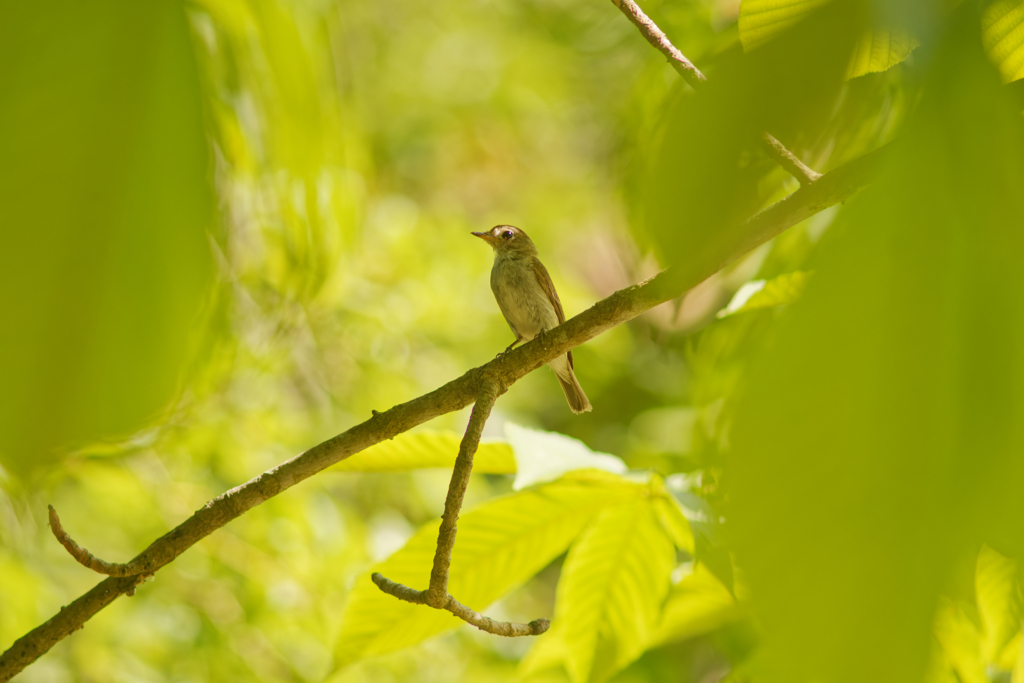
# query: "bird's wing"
x,y
544,280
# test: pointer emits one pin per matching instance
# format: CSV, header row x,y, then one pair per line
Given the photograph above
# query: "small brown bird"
x,y
528,300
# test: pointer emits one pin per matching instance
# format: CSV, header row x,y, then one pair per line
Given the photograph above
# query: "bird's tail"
x,y
578,401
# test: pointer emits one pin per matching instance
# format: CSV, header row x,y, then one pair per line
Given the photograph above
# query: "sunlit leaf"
x,y
1018,665
609,596
961,643
778,291
696,605
420,450
998,596
545,456
709,547
762,20
499,546
879,50
674,522
1002,26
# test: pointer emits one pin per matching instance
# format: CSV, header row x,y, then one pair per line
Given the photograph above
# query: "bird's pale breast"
x,y
520,297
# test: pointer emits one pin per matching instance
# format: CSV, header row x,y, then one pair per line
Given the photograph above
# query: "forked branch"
x,y
437,595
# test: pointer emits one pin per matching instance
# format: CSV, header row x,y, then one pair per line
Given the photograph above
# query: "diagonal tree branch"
x,y
692,75
834,187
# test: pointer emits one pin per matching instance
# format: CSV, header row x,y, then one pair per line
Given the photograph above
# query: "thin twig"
x,y
656,37
789,161
437,593
498,628
834,187
692,75
83,556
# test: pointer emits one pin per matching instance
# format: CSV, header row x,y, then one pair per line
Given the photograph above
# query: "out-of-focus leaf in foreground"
x,y
104,203
708,172
880,438
500,545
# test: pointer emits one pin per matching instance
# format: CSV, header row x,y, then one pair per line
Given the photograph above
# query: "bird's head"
x,y
508,239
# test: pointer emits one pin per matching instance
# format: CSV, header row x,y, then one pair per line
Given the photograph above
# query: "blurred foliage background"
x,y
234,227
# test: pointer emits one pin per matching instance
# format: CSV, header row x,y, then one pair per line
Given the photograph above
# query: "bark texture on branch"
x,y
499,628
437,593
83,556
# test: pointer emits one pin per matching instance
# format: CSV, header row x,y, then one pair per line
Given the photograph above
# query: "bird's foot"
x,y
508,348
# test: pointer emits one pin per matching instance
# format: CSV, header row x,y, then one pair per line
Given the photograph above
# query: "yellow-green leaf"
x,y
421,450
610,595
696,605
545,456
674,522
995,583
1002,33
877,50
499,546
758,294
762,20
961,643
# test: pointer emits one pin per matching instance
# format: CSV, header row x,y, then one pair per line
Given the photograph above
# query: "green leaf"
x,y
998,595
762,20
1018,665
758,294
545,456
420,450
499,546
674,522
610,595
880,50
884,397
696,605
961,643
709,547
1002,33
105,200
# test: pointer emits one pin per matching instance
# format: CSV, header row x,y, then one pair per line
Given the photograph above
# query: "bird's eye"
x,y
507,235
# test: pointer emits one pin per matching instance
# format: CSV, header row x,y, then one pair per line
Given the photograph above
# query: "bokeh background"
x,y
233,227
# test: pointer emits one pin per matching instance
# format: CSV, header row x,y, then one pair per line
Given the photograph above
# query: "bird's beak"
x,y
486,236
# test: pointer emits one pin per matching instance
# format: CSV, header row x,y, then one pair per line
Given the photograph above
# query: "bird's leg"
x,y
509,347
